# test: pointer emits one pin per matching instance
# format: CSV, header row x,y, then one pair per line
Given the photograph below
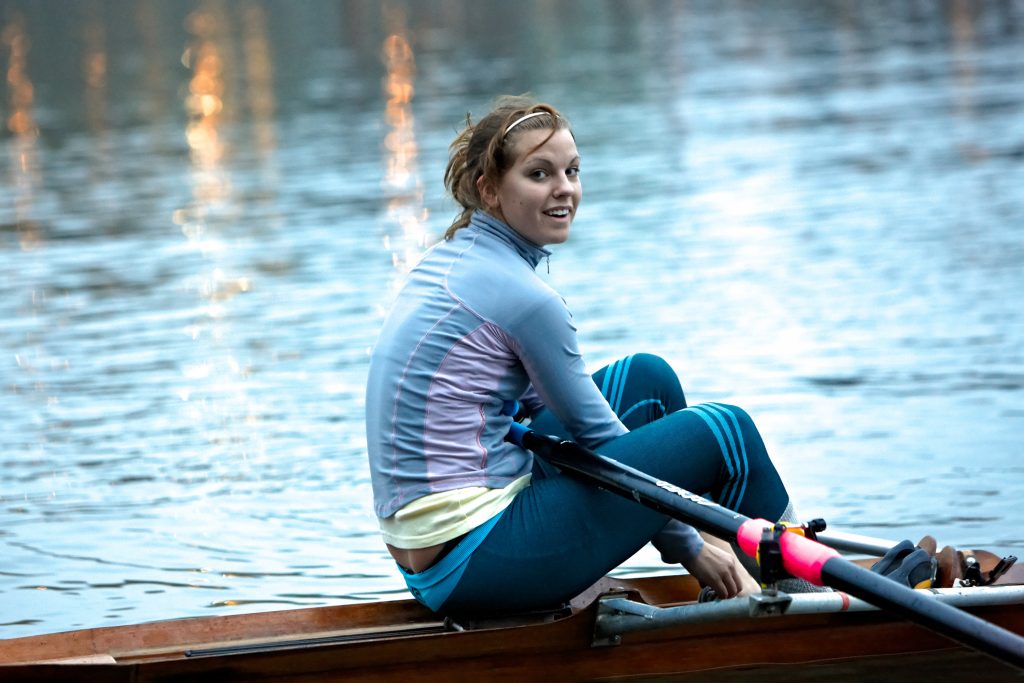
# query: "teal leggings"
x,y
561,535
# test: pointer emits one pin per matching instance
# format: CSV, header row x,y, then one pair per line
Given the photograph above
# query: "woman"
x,y
475,523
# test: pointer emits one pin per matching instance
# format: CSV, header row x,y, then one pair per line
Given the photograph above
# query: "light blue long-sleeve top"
x,y
473,328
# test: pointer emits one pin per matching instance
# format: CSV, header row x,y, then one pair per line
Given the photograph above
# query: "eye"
x,y
539,174
572,171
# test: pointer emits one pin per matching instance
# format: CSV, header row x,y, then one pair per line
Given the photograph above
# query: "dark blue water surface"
x,y
812,209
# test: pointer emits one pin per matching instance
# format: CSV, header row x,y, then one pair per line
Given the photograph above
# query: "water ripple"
x,y
812,210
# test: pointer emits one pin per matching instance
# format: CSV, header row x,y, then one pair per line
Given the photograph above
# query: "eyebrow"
x,y
544,158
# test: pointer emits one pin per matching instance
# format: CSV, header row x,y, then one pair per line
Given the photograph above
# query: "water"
x,y
811,209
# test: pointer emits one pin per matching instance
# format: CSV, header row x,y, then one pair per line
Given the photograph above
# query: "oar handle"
x,y
517,432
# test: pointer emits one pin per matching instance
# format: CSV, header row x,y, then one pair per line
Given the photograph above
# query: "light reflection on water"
x,y
813,212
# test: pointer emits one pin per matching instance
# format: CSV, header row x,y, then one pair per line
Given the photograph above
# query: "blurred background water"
x,y
812,209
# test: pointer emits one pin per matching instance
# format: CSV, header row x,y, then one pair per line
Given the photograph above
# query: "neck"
x,y
531,252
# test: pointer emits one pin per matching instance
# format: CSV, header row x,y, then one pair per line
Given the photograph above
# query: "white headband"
x,y
524,118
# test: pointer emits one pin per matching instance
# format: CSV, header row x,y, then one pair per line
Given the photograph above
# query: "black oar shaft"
x,y
631,483
921,608
829,568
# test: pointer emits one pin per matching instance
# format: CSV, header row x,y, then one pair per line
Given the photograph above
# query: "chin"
x,y
559,238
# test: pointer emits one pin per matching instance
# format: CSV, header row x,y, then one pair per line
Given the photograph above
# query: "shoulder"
x,y
496,282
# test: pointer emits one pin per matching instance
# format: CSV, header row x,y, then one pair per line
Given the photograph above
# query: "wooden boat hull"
x,y
402,641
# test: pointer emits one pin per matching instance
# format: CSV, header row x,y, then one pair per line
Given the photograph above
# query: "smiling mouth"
x,y
561,212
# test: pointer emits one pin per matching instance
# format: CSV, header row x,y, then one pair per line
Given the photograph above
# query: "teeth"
x,y
558,212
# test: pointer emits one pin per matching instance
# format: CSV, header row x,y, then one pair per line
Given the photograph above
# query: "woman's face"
x,y
539,195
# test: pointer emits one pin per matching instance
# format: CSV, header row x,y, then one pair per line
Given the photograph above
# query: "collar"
x,y
531,252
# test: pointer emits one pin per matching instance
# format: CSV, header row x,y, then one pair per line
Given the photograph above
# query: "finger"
x,y
737,581
728,585
734,586
723,577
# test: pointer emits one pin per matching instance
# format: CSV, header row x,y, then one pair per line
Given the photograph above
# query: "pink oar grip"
x,y
801,556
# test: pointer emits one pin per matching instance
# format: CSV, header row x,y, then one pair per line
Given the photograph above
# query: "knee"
x,y
738,422
648,362
739,417
660,376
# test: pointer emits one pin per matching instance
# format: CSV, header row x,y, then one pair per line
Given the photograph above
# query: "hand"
x,y
718,568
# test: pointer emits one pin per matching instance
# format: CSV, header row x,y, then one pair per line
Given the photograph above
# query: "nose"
x,y
564,186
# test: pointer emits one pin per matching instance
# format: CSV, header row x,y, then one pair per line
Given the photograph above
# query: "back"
x,y
470,330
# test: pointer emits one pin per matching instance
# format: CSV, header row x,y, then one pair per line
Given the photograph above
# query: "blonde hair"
x,y
484,149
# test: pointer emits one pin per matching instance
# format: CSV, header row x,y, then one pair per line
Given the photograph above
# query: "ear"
x,y
488,193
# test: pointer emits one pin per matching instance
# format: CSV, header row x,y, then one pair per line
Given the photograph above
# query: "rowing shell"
x,y
643,628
